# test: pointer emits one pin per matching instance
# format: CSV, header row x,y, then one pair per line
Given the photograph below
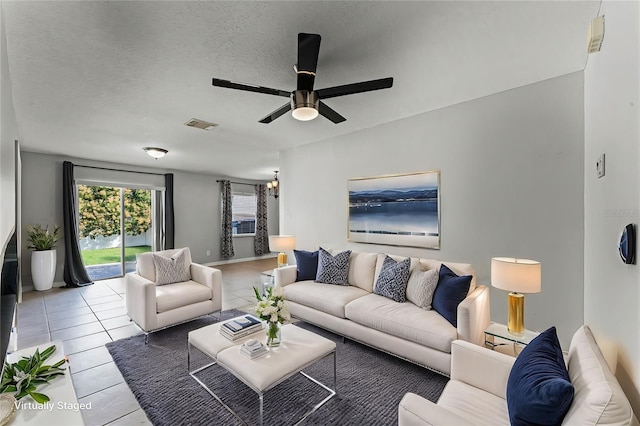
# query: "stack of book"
x,y
253,349
240,327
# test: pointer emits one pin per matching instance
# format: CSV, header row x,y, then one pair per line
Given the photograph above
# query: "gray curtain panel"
x,y
261,240
75,274
227,225
169,220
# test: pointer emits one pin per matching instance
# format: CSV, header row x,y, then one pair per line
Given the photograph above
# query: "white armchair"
x,y
476,393
153,306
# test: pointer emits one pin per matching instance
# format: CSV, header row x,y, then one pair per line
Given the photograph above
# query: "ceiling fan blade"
x,y
329,113
349,89
249,88
308,51
277,113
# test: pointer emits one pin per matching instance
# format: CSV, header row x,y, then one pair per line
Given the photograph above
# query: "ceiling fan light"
x,y
155,152
304,113
304,105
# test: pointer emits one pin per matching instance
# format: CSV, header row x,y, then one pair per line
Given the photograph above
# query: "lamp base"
x,y
515,321
282,260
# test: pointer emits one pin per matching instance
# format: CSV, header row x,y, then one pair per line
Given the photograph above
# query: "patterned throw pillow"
x,y
392,280
333,269
421,286
172,269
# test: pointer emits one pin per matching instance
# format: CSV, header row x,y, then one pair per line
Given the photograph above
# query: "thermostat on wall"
x,y
627,246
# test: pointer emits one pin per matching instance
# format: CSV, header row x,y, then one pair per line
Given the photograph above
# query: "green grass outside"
x,y
111,255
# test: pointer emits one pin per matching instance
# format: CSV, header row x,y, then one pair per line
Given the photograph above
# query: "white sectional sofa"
x,y
402,329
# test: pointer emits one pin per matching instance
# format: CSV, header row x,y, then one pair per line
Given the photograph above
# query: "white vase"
x,y
43,269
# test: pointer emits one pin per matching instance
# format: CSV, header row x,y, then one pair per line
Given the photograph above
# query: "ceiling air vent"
x,y
200,124
596,35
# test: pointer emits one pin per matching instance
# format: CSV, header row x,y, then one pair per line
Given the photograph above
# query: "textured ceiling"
x,y
100,80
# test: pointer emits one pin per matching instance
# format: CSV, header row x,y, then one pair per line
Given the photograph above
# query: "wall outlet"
x,y
600,166
208,252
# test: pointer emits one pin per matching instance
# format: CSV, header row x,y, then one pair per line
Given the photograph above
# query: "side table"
x,y
266,280
504,338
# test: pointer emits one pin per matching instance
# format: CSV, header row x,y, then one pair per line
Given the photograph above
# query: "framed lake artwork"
x,y
399,210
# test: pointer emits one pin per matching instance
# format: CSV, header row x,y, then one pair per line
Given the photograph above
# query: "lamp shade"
x,y
517,275
282,242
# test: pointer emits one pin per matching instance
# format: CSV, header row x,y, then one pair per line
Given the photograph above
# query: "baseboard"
x,y
244,259
30,287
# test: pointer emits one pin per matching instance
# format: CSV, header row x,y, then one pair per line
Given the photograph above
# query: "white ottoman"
x,y
299,349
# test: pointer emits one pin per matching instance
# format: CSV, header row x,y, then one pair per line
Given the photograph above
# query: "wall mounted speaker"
x,y
627,246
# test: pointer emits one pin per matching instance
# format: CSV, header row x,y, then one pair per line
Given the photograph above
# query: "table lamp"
x,y
283,244
516,276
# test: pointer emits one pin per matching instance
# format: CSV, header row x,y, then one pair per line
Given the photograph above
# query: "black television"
x,y
8,293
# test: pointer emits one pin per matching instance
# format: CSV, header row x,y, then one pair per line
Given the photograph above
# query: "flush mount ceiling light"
x,y
155,152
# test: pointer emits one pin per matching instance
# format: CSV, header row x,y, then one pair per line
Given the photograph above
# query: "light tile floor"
x,y
87,318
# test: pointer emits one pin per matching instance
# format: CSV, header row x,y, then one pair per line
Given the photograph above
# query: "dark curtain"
x,y
75,275
169,220
227,226
261,240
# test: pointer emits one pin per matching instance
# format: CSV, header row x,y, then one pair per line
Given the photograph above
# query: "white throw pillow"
x,y
421,286
172,269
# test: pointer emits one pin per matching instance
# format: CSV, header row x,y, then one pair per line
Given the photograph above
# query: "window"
x,y
243,218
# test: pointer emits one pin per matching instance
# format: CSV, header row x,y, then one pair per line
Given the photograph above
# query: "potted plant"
x,y
43,259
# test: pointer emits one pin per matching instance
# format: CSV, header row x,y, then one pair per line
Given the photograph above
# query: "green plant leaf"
x,y
47,352
10,388
39,397
59,363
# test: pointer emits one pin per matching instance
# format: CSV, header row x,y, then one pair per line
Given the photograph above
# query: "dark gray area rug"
x,y
370,383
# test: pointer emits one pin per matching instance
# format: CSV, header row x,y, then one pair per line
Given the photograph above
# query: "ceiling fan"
x,y
305,102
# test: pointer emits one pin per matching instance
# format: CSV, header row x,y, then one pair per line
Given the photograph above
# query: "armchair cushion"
x,y
538,389
172,296
172,269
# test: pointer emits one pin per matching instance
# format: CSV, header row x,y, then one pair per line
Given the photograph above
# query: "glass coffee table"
x,y
299,349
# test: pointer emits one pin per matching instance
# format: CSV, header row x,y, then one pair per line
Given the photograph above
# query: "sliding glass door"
x,y
115,224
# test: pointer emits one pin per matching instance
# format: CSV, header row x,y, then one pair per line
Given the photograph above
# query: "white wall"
x,y
8,136
196,208
511,185
612,127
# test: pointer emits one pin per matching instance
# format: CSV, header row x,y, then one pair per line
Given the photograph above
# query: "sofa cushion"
x,y
476,405
306,264
392,281
404,320
172,269
450,291
380,261
538,389
362,267
147,269
598,397
333,269
459,268
421,286
330,299
172,296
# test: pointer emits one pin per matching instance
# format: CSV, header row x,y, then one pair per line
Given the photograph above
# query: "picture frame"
x,y
397,210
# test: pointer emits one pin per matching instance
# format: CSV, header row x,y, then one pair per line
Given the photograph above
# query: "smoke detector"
x,y
200,124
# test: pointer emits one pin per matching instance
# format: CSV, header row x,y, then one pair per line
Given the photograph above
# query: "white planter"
x,y
43,269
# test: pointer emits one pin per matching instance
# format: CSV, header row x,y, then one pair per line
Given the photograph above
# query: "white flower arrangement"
x,y
272,307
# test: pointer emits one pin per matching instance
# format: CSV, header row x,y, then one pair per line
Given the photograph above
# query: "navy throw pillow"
x,y
306,264
539,391
450,291
393,278
333,269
